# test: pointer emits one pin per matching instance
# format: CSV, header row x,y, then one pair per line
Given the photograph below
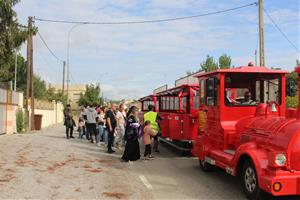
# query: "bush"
x,y
20,120
292,102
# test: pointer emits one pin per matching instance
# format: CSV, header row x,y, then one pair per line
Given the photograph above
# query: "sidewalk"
x,y
46,165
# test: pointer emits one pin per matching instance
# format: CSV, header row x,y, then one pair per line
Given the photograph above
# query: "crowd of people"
x,y
116,127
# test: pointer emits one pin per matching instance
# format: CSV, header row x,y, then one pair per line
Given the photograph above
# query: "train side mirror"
x,y
291,88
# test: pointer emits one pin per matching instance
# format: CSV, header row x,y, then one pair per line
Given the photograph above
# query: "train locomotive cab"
x,y
243,130
179,107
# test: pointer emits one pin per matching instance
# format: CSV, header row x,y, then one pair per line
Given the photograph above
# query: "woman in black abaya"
x,y
132,147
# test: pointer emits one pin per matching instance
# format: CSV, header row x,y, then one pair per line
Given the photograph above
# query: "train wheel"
x,y
249,182
205,166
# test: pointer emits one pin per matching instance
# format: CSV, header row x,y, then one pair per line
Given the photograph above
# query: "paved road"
x,y
46,165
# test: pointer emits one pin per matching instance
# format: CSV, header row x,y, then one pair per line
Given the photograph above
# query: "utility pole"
x,y
28,71
32,77
261,34
63,83
29,81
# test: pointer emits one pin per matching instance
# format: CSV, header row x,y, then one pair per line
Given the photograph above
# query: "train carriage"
x,y
243,129
178,108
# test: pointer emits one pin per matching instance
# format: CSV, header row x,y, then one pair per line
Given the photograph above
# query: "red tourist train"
x,y
243,129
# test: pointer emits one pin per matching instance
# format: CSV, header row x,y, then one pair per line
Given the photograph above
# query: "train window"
x,y
176,103
272,91
253,88
202,97
163,103
184,104
171,103
157,106
146,104
211,91
167,103
196,99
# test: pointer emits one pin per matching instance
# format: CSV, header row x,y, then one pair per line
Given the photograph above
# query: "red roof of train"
x,y
245,69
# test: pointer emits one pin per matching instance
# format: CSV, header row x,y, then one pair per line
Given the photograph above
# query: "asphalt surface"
x,y
46,165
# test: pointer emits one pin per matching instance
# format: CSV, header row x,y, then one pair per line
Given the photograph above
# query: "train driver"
x,y
247,99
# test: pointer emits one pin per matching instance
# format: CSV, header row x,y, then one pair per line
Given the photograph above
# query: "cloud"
x,y
138,58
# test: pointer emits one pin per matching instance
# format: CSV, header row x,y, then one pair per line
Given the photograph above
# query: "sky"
x,y
130,61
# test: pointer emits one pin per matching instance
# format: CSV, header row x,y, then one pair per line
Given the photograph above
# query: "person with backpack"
x,y
69,121
132,133
154,119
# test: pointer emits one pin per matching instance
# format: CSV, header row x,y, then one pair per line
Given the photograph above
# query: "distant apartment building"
x,y
74,93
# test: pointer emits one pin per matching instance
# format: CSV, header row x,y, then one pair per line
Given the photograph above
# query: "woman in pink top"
x,y
148,132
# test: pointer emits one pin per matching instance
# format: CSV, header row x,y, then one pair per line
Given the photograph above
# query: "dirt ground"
x,y
46,165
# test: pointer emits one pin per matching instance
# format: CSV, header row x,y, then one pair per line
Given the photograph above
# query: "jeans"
x,y
81,133
111,137
100,134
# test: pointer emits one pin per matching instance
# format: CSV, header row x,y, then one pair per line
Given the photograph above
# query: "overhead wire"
x,y
147,21
44,42
279,29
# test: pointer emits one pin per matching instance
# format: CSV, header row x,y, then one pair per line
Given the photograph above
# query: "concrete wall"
x,y
53,116
11,101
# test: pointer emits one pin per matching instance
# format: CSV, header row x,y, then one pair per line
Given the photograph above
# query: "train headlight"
x,y
280,159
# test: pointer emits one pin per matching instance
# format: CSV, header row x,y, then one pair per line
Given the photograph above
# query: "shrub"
x,y
20,120
292,102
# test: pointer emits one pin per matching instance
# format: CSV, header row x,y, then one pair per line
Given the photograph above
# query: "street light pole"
x,y
68,58
16,66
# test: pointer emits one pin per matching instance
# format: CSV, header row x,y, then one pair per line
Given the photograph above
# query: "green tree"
x,y
21,73
11,37
224,62
53,95
297,62
40,89
91,96
209,64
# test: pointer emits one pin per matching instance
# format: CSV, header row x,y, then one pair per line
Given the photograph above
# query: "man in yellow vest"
x,y
154,119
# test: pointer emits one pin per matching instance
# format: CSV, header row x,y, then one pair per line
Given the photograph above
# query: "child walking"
x,y
81,127
148,132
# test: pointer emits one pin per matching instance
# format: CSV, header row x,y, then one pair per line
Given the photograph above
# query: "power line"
x,y
282,33
147,21
49,48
